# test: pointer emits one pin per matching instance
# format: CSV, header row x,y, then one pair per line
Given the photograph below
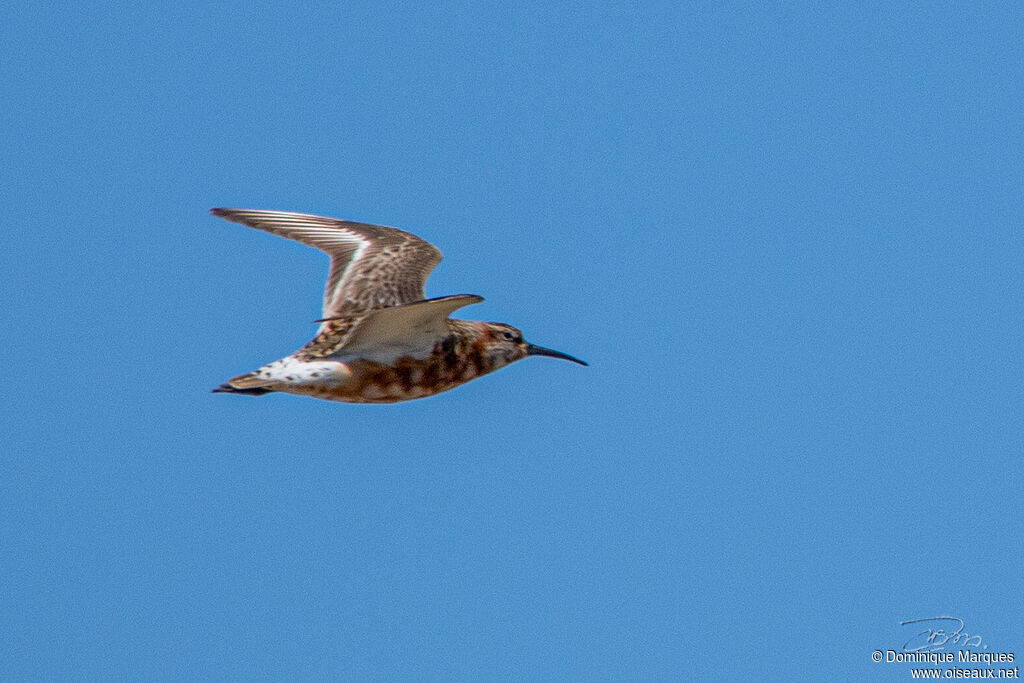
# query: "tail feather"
x,y
245,384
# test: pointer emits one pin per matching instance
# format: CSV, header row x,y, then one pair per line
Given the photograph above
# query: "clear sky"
x,y
788,241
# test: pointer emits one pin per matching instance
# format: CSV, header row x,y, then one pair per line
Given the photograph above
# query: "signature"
x,y
935,635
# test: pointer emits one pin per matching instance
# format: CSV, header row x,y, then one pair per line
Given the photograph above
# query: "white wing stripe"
x,y
336,292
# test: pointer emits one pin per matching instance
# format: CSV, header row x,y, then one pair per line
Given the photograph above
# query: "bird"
x,y
380,340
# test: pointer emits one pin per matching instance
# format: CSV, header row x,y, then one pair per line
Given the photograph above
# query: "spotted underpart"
x,y
462,355
471,349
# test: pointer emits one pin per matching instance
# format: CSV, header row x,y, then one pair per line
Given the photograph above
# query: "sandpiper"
x,y
380,340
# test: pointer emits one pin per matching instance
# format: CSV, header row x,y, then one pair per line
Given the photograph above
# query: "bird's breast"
x,y
407,377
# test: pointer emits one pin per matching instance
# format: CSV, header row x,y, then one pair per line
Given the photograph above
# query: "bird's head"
x,y
505,344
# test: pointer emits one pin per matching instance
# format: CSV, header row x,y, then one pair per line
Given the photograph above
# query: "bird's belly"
x,y
406,379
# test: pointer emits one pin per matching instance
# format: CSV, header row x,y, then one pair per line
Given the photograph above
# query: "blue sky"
x,y
787,240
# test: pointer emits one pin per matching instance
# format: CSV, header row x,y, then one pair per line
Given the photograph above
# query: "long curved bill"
x,y
532,350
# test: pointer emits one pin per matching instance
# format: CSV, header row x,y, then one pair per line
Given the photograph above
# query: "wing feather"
x,y
372,266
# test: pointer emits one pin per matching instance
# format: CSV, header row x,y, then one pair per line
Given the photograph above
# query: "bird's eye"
x,y
508,335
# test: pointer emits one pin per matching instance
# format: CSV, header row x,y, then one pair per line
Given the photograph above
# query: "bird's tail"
x,y
248,384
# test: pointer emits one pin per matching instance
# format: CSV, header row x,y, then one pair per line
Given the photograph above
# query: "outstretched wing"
x,y
372,266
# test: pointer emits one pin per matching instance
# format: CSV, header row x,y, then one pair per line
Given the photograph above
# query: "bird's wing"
x,y
372,266
409,329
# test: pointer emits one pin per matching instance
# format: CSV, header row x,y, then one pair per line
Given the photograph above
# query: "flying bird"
x,y
380,340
